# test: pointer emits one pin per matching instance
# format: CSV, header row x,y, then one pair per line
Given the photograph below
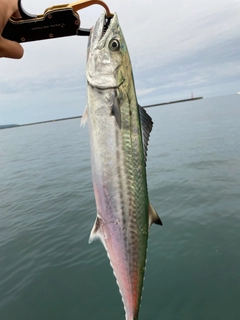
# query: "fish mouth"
x,y
103,26
106,25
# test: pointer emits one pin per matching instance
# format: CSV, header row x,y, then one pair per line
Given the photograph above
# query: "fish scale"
x,y
119,132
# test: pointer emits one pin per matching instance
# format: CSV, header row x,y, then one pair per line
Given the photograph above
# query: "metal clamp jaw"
x,y
57,21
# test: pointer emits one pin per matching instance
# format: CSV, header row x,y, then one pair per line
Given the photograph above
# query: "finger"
x,y
16,14
9,8
10,49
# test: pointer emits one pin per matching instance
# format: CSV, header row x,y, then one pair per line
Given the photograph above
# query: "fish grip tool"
x,y
57,21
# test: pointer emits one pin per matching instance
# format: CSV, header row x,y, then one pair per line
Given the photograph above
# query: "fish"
x,y
119,131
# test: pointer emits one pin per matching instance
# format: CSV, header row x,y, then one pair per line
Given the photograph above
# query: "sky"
x,y
176,47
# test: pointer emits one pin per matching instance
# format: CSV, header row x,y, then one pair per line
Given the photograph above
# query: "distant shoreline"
x,y
171,102
9,126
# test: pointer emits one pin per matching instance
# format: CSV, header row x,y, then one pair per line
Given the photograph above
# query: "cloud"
x,y
176,47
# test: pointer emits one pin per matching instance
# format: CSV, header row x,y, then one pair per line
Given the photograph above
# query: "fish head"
x,y
107,57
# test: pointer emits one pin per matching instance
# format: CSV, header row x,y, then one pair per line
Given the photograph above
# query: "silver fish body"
x,y
119,131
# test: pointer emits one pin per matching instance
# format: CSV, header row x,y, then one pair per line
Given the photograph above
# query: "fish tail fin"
x,y
131,317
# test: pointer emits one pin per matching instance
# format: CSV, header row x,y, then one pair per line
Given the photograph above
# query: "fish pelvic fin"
x,y
146,126
153,217
84,118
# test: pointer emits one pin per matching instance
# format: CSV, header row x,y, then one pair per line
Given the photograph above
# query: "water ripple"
x,y
47,210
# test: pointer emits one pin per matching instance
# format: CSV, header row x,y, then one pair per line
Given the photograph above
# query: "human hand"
x,y
9,49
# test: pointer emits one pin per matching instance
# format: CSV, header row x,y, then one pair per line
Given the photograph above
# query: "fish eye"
x,y
114,45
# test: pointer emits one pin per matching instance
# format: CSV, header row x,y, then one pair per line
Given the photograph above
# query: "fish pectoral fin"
x,y
116,112
84,118
96,232
153,217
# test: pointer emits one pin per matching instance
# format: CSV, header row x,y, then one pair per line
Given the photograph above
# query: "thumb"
x,y
10,49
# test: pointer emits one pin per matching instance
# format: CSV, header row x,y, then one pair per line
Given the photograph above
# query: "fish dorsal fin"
x,y
146,125
96,230
153,217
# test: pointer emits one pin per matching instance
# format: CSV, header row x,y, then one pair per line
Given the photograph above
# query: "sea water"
x,y
47,209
